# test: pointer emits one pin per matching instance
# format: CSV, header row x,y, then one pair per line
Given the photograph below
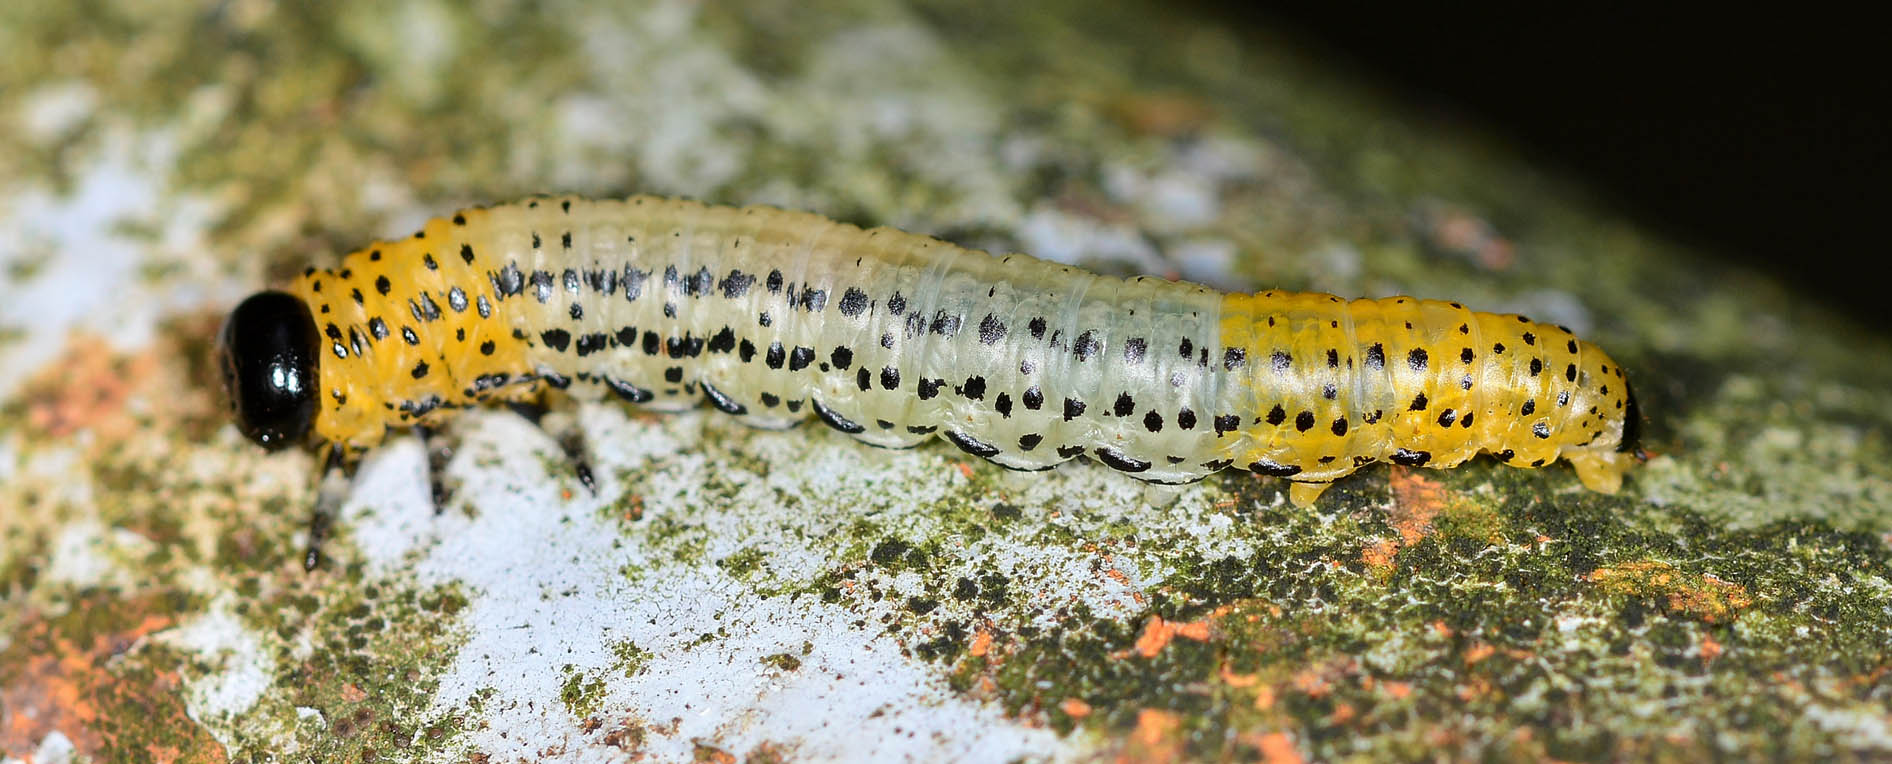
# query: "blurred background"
x,y
1758,135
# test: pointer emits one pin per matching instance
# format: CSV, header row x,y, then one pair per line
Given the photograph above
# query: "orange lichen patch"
x,y
86,389
64,674
1237,681
964,469
981,644
1479,651
1312,683
1278,748
1468,235
1264,698
1158,633
1075,708
1155,738
1343,713
92,389
708,754
1417,499
1378,555
1161,114
1417,502
1710,649
1397,690
1701,597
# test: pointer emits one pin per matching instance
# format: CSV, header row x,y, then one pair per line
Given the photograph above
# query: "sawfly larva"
x,y
894,338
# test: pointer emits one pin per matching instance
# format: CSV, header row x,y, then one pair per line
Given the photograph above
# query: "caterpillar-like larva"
x,y
894,338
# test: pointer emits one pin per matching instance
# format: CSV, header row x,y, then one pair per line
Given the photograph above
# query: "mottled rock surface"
x,y
739,595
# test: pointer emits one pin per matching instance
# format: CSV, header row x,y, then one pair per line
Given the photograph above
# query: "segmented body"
x,y
895,338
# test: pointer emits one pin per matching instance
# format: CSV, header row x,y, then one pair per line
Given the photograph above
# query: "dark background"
x,y
1749,137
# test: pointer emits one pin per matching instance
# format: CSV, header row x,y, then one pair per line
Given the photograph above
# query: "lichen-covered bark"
x,y
731,594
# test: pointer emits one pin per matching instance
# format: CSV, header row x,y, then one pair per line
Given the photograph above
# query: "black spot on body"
x,y
1411,458
1277,415
1304,421
1073,408
1134,349
972,445
1087,345
853,302
991,330
721,401
1120,461
1416,360
1124,406
737,284
1273,469
834,419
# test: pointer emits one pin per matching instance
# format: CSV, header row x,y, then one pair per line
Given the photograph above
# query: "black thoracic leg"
x,y
559,419
439,452
331,489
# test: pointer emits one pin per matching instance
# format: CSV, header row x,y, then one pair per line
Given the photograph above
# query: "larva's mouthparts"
x,y
269,352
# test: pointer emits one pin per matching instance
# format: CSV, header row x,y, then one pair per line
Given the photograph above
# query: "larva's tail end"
x,y
1602,471
1303,495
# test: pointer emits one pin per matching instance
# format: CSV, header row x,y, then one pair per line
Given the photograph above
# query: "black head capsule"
x,y
269,352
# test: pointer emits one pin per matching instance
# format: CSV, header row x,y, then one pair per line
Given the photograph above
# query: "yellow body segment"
x,y
1339,384
414,329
